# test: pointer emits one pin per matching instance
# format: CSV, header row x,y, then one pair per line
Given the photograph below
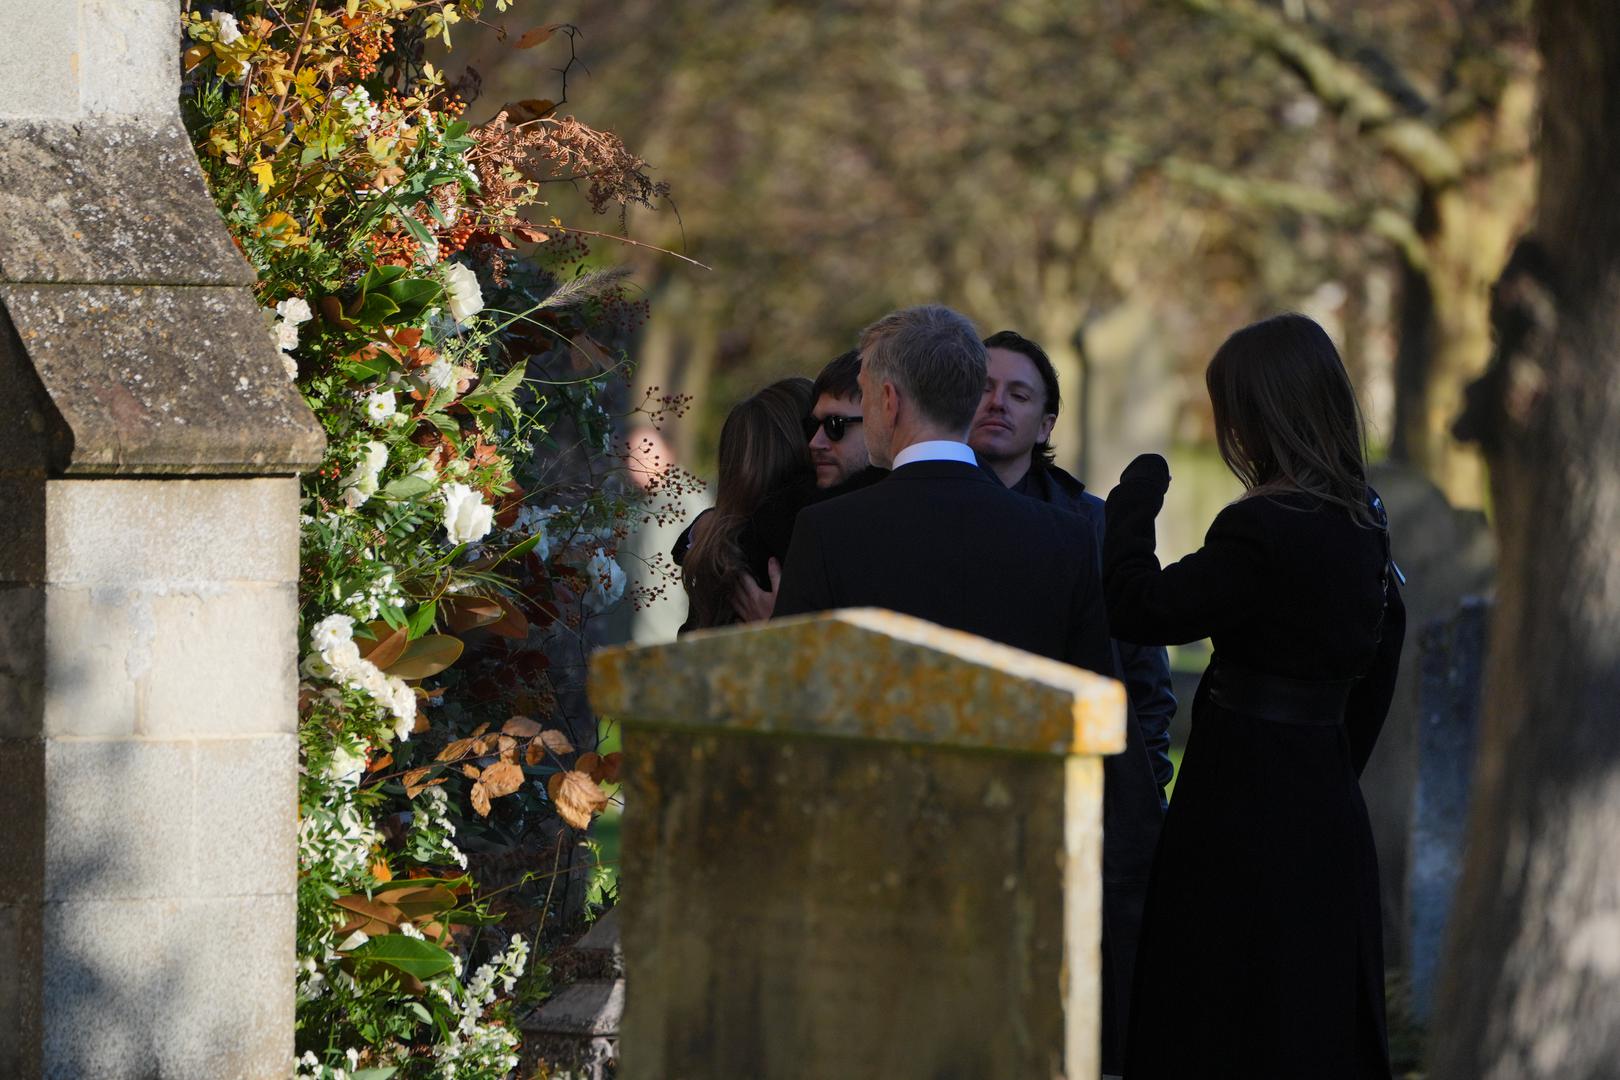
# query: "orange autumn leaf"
x,y
502,778
480,800
520,726
576,797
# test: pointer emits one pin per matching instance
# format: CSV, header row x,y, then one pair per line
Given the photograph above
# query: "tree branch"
x,y
1343,88
1262,194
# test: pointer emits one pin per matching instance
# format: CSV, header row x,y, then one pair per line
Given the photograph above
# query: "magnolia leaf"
x,y
407,955
427,655
513,623
536,36
480,800
521,727
387,648
502,778
371,909
417,902
556,742
466,612
576,797
415,784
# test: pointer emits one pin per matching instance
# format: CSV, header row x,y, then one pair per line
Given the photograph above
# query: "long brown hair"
x,y
1286,417
763,450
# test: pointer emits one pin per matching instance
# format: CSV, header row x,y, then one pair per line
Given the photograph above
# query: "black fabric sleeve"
x,y
805,586
1202,594
1146,673
1088,645
1370,698
683,542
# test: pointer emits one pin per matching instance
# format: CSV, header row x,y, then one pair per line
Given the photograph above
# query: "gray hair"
x,y
934,355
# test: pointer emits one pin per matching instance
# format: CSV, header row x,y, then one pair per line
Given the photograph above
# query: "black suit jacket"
x,y
944,541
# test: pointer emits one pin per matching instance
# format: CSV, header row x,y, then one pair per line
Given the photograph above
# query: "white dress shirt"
x,y
936,450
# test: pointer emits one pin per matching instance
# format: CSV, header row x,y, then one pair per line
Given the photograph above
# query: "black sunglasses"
x,y
836,426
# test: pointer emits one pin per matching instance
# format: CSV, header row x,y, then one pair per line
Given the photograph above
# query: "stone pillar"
x,y
858,844
149,445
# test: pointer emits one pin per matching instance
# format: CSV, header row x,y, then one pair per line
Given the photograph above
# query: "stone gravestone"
x,y
1452,662
1447,554
859,845
149,441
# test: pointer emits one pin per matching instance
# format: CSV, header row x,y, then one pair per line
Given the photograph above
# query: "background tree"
x,y
1533,987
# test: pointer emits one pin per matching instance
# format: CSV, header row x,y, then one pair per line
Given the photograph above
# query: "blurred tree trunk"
x,y
1532,984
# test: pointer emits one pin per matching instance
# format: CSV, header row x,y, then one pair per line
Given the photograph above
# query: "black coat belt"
x,y
1277,697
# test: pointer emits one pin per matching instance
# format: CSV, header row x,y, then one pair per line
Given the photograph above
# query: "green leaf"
x,y
378,276
517,551
366,370
411,883
407,955
421,620
375,308
414,295
393,616
385,1072
407,487
419,232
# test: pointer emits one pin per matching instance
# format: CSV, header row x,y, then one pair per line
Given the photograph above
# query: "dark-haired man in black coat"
x,y
943,540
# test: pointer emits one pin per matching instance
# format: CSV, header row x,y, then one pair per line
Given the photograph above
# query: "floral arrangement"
x,y
465,523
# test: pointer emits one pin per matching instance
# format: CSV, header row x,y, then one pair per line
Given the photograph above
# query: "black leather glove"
x,y
1149,470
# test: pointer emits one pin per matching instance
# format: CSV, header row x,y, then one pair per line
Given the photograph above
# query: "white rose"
x,y
314,667
424,470
295,309
343,658
440,375
358,487
373,456
466,518
225,26
290,366
466,298
330,631
607,580
348,762
286,335
380,407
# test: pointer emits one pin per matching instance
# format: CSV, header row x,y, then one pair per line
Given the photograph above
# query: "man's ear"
x,y
891,402
1048,422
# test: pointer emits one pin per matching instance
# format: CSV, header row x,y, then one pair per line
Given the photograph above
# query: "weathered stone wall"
x,y
149,441
859,845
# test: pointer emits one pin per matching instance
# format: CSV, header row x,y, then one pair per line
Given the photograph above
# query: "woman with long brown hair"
x,y
1261,952
765,477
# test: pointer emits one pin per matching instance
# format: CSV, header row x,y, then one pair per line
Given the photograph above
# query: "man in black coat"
x,y
943,540
1011,434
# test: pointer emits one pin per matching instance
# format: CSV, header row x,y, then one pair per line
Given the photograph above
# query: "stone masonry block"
x,y
246,795
129,65
123,532
164,988
149,819
22,501
120,818
217,661
22,809
94,641
40,63
160,379
22,660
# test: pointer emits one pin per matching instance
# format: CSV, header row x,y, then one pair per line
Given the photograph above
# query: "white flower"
x,y
424,470
380,406
533,521
440,375
290,366
466,518
331,631
343,658
466,298
606,578
286,335
225,25
359,488
374,456
295,309
348,762
316,667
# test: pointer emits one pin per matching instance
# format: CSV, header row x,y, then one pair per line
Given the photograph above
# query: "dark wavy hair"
x,y
1286,417
839,379
762,451
1044,456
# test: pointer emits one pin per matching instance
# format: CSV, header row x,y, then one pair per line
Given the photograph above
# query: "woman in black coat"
x,y
1261,952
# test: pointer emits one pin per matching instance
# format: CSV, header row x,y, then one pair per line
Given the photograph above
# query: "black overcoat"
x,y
1261,953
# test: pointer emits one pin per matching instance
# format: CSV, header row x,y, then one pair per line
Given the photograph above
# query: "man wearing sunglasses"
x,y
833,428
